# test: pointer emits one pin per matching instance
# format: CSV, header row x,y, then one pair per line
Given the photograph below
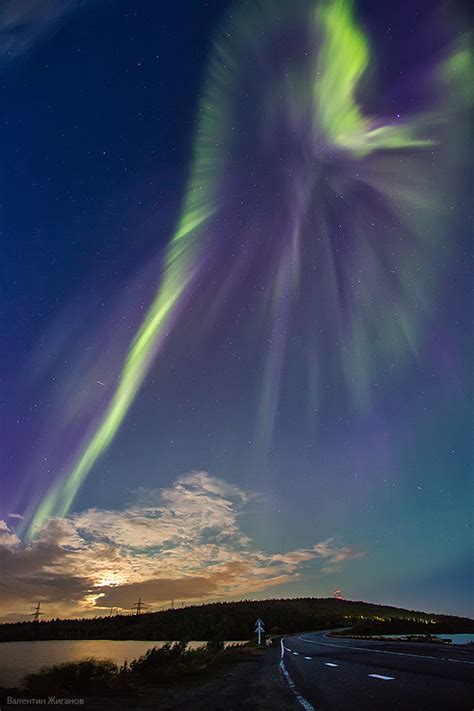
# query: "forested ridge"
x,y
236,620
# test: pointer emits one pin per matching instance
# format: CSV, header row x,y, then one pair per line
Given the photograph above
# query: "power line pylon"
x,y
139,606
36,612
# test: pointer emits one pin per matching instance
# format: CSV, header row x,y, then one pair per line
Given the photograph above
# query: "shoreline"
x,y
253,682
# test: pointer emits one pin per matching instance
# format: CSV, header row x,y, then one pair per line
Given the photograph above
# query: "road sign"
x,y
259,628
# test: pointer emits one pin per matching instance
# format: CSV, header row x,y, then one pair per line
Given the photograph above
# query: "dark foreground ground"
x,y
323,673
255,683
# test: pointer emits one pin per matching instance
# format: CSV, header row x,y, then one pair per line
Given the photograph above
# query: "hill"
x,y
235,621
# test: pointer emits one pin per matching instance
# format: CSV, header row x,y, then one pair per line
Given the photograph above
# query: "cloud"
x,y
24,22
198,505
330,550
333,564
183,542
7,537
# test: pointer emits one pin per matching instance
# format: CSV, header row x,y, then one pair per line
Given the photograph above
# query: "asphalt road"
x,y
336,674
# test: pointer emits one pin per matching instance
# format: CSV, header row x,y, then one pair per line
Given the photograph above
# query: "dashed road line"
x,y
381,676
305,704
384,651
330,664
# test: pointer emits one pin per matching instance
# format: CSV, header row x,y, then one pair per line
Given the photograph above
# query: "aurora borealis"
x,y
285,324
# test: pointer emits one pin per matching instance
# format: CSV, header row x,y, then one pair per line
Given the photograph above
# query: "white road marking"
x,y
380,676
295,653
305,704
330,664
308,658
384,651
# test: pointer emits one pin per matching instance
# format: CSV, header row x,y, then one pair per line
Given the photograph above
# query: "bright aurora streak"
x,y
330,217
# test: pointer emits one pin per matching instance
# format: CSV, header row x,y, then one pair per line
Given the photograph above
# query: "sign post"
x,y
259,629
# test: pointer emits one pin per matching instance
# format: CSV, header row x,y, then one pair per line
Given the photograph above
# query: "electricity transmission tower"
x,y
139,606
36,612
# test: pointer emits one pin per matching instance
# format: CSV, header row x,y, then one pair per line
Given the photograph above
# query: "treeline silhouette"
x,y
403,626
236,620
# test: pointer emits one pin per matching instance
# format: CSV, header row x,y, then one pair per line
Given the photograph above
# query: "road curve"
x,y
337,674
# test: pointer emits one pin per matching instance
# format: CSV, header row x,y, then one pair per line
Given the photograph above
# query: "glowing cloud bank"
x,y
330,218
184,542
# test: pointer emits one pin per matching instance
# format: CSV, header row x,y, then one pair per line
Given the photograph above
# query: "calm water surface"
x,y
20,658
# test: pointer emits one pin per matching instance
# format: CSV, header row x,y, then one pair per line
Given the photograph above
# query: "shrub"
x,y
215,645
88,677
164,664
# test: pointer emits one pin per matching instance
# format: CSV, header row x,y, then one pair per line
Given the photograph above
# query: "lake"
x,y
20,658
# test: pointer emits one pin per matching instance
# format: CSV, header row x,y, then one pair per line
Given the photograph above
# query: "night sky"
x,y
236,303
